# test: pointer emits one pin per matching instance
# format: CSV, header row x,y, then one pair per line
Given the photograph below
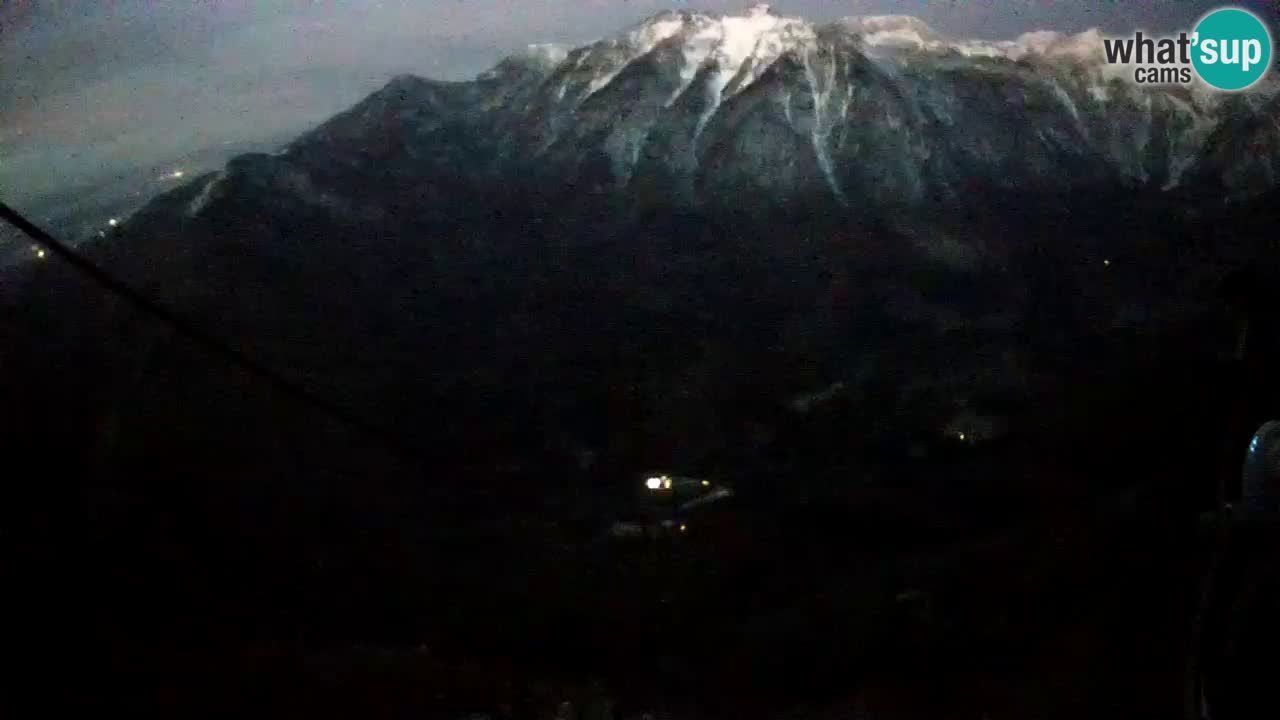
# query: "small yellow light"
x,y
706,483
40,253
684,528
666,483
962,436
1107,263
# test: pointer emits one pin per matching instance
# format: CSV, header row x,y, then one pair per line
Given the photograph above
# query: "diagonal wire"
x,y
209,342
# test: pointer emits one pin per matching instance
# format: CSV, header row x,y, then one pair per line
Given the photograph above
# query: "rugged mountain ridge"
x,y
866,110
867,113
731,194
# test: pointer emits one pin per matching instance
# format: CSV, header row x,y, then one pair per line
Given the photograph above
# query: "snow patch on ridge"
x,y
206,194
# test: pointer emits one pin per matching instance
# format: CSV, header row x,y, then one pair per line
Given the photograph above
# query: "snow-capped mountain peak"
x,y
553,53
741,46
539,57
905,32
893,30
757,36
645,36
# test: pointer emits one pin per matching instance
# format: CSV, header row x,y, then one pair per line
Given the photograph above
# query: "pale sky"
x,y
89,88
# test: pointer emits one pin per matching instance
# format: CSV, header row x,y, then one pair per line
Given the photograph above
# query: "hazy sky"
x,y
91,87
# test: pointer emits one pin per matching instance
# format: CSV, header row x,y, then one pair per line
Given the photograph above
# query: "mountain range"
x,y
653,242
868,112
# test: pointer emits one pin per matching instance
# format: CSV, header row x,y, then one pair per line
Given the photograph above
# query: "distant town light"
x,y
653,483
706,483
666,483
178,173
684,528
113,222
1106,263
962,437
40,254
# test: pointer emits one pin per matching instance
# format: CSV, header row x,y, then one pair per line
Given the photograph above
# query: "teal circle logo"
x,y
1231,49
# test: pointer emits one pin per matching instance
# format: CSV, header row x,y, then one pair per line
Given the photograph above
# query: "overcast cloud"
x,y
94,88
